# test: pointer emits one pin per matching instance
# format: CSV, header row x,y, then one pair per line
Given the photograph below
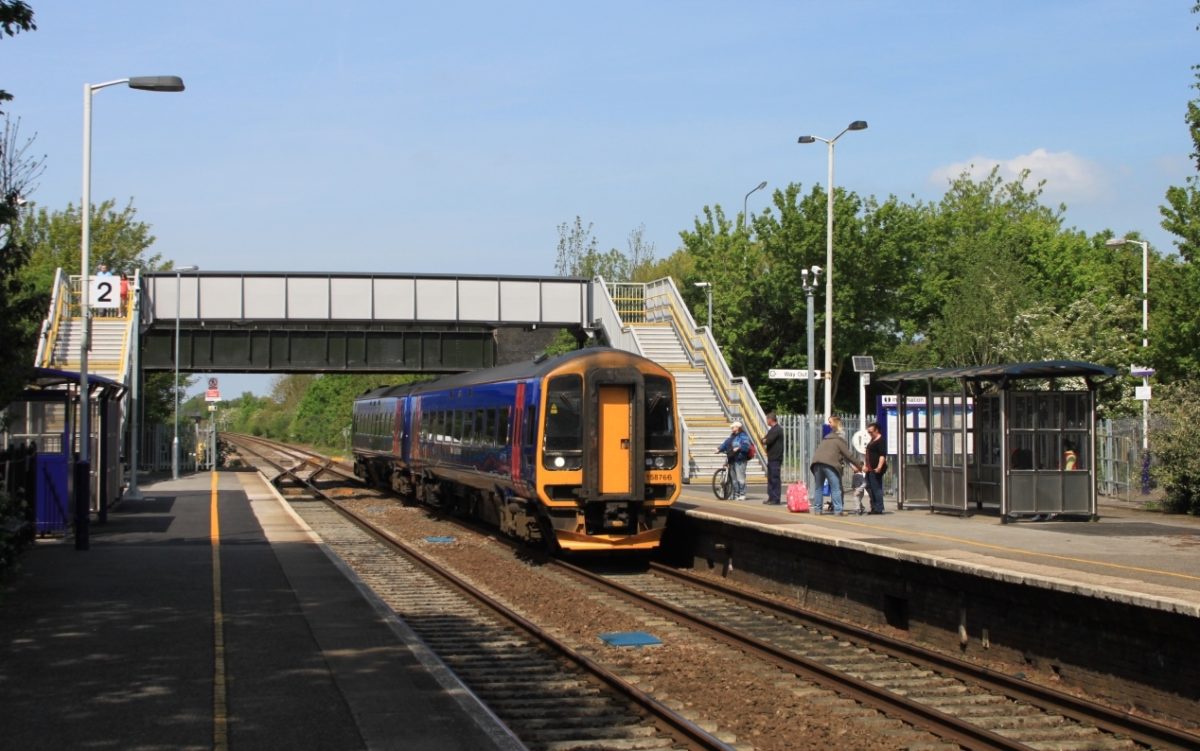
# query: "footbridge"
x,y
312,322
248,322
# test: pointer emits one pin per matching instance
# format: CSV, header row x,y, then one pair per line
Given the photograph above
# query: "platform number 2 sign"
x,y
104,292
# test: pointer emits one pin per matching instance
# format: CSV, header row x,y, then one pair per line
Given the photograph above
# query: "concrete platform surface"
x,y
157,638
1143,558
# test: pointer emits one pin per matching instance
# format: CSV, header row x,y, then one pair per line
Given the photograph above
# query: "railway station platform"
x,y
183,628
1110,606
1142,558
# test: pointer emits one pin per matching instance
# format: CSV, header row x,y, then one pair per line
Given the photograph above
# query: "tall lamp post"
x,y
809,285
856,125
746,200
83,496
708,294
1144,370
175,442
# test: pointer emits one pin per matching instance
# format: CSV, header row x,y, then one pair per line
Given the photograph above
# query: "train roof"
x,y
512,372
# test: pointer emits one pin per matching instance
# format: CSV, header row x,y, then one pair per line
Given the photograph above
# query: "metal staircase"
x,y
652,320
63,333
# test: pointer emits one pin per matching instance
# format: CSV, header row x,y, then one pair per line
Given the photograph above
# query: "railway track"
x,y
959,703
551,697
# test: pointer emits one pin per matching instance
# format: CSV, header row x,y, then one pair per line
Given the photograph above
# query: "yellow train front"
x,y
580,452
608,458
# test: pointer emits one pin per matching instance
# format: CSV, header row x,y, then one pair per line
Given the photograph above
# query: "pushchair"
x,y
859,487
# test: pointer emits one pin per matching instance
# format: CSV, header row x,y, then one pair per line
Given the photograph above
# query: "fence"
x,y
797,453
1119,458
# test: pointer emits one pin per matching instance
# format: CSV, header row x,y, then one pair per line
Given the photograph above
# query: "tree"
x,y
1181,215
21,307
15,16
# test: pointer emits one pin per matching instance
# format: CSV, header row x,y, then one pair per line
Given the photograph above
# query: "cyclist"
x,y
737,448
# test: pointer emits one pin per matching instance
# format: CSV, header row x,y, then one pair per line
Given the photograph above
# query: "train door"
x,y
615,436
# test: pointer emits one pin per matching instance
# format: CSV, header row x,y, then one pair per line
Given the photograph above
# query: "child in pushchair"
x,y
859,485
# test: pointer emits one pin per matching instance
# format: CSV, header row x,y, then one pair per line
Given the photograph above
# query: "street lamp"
x,y
856,125
143,83
175,443
1144,370
745,200
708,293
809,285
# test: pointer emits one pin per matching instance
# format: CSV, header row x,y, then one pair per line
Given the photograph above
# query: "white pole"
x,y
1145,356
85,214
175,385
134,493
829,289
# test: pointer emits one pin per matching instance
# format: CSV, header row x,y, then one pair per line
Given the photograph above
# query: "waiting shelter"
x,y
1017,439
46,414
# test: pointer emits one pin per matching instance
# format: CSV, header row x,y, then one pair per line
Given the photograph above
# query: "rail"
x,y
60,306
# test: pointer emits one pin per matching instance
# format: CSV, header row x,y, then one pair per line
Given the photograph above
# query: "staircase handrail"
x,y
618,334
60,303
131,327
713,359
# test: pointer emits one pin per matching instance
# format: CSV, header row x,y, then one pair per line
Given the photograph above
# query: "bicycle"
x,y
722,483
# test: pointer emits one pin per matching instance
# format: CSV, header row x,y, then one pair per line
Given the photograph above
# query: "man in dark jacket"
x,y
774,443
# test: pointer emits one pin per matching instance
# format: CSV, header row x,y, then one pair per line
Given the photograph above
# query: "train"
x,y
579,452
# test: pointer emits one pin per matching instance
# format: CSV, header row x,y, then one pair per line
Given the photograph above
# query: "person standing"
x,y
774,443
737,448
827,463
875,465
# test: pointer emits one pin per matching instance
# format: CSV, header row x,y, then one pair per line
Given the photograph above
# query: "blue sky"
x,y
455,137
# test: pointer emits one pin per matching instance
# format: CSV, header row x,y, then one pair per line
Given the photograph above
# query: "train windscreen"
x,y
564,423
660,415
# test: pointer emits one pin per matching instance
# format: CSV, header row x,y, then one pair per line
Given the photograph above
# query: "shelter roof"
x,y
1010,371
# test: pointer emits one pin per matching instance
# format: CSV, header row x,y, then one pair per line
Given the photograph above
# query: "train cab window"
x,y
563,448
660,415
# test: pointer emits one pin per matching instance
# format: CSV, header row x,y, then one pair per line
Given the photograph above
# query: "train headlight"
x,y
649,461
559,462
659,462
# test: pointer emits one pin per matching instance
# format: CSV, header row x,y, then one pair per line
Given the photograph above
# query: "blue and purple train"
x,y
579,452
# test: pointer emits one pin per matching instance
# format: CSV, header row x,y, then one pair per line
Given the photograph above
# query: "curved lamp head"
x,y
858,125
156,83
806,139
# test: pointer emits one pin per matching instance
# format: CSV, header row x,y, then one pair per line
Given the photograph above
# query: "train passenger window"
x,y
469,426
456,426
481,434
564,423
660,415
502,434
489,430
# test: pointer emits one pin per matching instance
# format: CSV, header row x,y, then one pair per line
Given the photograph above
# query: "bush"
x,y
12,529
1173,443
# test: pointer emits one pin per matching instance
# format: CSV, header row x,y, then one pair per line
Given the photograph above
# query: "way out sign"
x,y
791,374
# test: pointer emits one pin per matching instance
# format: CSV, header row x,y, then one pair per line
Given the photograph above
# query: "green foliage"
x,y
579,254
1177,463
21,304
15,16
14,532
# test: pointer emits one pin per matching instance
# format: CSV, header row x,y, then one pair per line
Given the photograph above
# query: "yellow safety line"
x,y
1052,556
220,711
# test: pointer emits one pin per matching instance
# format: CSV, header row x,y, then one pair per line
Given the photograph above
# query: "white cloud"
x,y
1069,178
